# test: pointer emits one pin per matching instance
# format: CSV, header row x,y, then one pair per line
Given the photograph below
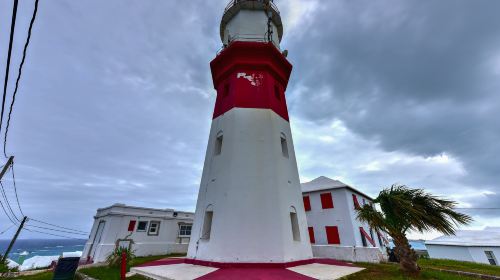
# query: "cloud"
x,y
115,102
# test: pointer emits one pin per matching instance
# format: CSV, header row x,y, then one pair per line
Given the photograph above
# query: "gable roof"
x,y
490,237
324,183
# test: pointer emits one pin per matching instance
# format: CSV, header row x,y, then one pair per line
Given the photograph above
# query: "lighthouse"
x,y
249,207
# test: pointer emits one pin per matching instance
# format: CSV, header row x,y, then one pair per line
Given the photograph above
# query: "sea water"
x,y
26,248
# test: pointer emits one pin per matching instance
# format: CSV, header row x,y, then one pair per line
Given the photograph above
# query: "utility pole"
x,y
14,239
4,170
6,166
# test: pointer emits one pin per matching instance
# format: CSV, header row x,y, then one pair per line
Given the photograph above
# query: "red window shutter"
x,y
326,200
131,225
366,236
355,200
311,235
332,234
307,203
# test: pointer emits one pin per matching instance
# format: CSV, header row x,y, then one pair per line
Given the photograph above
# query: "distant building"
x,y
481,246
146,231
334,230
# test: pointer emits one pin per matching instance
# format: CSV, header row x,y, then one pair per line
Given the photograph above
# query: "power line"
x,y
15,188
35,220
7,202
7,66
4,231
51,229
32,230
6,214
19,76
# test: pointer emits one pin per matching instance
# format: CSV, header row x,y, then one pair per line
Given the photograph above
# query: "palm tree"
x,y
406,209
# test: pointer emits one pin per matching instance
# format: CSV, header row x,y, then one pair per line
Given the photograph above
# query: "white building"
x,y
481,246
249,207
334,230
146,231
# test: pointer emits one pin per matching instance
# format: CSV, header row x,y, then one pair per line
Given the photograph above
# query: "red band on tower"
x,y
250,75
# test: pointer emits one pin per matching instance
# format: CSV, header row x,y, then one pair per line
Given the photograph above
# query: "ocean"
x,y
26,248
415,244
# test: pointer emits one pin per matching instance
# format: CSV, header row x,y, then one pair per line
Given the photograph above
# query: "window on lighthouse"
x,y
284,146
218,144
207,225
295,224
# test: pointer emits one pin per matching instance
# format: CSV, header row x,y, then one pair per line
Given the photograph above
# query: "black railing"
x,y
234,2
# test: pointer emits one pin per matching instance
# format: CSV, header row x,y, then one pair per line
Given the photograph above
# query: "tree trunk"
x,y
406,255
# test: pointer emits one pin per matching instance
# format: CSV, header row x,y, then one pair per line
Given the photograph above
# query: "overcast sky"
x,y
116,99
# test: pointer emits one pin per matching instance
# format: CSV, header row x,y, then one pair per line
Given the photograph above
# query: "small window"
x,y
381,244
218,144
355,201
332,234
185,230
311,235
307,203
277,93
284,146
491,257
295,224
131,225
154,228
326,200
142,226
207,225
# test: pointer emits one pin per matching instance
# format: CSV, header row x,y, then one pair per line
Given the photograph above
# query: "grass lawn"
x,y
462,266
389,271
108,273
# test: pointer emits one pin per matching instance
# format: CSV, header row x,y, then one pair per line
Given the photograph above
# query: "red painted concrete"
x,y
249,271
254,274
168,261
250,75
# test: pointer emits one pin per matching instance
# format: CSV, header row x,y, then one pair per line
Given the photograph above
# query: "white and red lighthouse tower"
x,y
249,207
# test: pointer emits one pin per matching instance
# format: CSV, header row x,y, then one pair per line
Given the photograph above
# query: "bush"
x,y
115,259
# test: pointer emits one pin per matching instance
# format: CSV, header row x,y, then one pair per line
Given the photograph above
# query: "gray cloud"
x,y
116,100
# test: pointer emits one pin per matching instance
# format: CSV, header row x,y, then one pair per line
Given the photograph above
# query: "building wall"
x,y
462,253
251,187
343,215
116,228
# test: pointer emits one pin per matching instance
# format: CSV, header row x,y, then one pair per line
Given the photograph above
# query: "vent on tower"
x,y
218,144
284,146
295,224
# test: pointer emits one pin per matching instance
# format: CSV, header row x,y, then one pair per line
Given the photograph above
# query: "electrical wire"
x,y
35,220
19,76
51,229
15,188
7,66
4,231
7,202
32,230
6,214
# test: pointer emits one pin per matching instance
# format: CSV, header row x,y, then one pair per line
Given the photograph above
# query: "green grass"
x,y
39,276
461,266
388,271
113,273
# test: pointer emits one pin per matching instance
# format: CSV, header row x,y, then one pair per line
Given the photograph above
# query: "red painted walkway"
x,y
250,271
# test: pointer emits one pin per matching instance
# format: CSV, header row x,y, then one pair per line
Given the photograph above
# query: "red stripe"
x,y
250,75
